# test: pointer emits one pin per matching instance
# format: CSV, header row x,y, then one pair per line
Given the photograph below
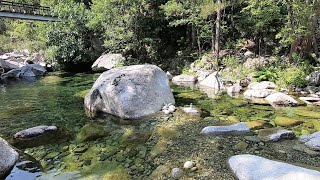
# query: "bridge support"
x,y
29,17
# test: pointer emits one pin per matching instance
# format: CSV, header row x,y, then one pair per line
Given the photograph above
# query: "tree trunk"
x,y
212,33
218,29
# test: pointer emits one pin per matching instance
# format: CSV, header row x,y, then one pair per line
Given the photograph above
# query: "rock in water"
x,y
275,134
8,158
176,173
311,141
239,128
34,132
130,92
107,61
250,167
213,81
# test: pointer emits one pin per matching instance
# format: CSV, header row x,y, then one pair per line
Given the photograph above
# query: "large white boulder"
x,y
250,167
130,92
213,81
184,79
8,158
107,61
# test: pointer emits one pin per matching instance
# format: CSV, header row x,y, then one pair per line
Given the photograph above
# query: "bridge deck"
x,y
26,11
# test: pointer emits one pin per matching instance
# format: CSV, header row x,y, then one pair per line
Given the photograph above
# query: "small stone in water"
x,y
176,173
188,164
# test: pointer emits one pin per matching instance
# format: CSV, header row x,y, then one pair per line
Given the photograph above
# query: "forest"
x,y
173,33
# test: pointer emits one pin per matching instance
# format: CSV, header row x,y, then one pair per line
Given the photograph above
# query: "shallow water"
x,y
107,148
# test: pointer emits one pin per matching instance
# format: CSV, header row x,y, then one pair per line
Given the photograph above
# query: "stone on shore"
x,y
250,167
130,92
8,158
238,128
184,79
275,134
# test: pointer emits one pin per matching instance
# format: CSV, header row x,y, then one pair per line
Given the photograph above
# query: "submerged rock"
x,y
35,132
8,158
250,167
91,132
107,61
275,134
312,141
176,173
281,99
286,122
239,128
130,92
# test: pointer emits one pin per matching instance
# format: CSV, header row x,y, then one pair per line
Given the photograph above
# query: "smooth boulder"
x,y
184,79
130,92
8,158
281,99
107,61
213,81
238,128
251,167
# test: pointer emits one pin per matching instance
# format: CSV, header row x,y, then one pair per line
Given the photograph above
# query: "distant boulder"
x,y
107,61
213,81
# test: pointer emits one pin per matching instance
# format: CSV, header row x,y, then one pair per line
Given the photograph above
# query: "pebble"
x,y
176,173
188,165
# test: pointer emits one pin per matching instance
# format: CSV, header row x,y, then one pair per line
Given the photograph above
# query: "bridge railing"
x,y
12,7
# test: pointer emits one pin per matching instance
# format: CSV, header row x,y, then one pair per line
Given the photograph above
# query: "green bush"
x,y
294,76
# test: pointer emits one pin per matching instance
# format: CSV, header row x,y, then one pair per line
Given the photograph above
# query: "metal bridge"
x,y
26,11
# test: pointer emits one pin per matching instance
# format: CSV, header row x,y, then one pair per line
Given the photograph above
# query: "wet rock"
x,y
281,99
311,141
239,128
91,132
107,61
275,134
35,132
116,92
302,148
14,74
9,65
250,167
184,79
176,173
189,164
8,158
213,81
32,70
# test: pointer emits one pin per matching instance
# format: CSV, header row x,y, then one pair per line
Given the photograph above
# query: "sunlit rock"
x,y
239,128
107,61
250,167
311,141
130,92
281,99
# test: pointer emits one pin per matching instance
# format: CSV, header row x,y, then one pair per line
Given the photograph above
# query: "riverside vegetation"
x,y
244,87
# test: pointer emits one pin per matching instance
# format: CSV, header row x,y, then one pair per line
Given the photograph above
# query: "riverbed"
x,y
110,148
